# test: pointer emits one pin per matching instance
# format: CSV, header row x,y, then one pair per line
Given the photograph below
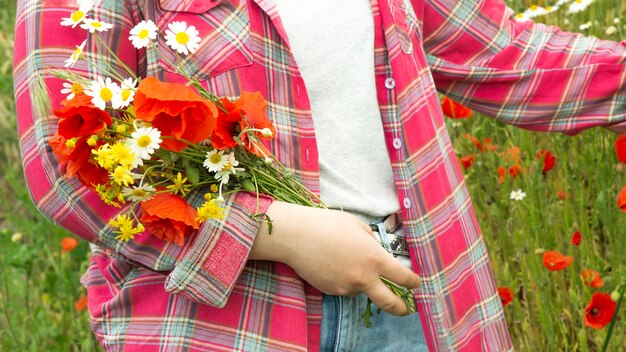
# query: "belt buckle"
x,y
394,244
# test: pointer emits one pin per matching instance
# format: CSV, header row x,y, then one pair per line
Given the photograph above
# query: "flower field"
x,y
549,205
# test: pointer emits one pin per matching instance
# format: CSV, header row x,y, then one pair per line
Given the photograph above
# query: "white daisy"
x,y
95,25
72,89
76,54
578,6
215,160
138,193
535,11
143,33
585,26
518,195
521,17
228,169
144,141
611,30
125,94
79,15
181,38
551,9
102,92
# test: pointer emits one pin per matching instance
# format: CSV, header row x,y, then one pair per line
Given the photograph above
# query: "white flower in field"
x,y
611,30
95,25
616,20
76,54
229,168
138,193
144,141
561,3
72,89
102,92
78,16
215,160
535,11
551,9
125,94
521,17
578,6
518,195
181,38
585,26
143,33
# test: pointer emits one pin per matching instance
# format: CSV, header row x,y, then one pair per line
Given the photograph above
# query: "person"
x,y
352,90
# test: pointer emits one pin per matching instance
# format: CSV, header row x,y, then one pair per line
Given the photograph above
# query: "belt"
x,y
389,235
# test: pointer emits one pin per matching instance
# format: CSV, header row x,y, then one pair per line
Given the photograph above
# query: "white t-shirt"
x,y
333,44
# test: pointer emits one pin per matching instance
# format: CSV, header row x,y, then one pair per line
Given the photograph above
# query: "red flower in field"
x,y
502,173
600,310
512,155
482,146
253,106
506,295
562,195
515,170
591,278
467,161
454,110
68,244
548,160
577,238
621,200
169,217
81,303
80,118
176,110
555,261
620,148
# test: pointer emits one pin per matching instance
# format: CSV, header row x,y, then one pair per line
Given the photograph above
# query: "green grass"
x,y
39,283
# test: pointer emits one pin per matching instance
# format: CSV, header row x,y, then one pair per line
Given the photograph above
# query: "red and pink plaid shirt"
x,y
149,295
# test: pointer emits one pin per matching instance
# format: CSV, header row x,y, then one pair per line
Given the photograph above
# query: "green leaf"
x,y
193,174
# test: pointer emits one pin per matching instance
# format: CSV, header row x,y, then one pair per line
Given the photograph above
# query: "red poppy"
x,y
512,155
253,106
506,295
68,244
620,148
76,161
80,118
176,110
621,199
555,261
591,278
228,126
81,303
502,173
577,238
169,217
467,161
482,146
548,160
600,310
562,195
454,110
515,170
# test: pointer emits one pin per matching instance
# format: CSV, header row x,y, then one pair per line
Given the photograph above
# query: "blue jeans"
x,y
343,328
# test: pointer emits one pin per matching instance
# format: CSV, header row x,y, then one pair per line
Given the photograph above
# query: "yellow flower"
x,y
214,188
107,195
104,157
92,140
121,221
179,185
120,129
128,232
70,143
121,175
210,210
123,155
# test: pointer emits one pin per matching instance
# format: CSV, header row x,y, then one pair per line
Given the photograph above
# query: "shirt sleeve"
x,y
207,266
526,74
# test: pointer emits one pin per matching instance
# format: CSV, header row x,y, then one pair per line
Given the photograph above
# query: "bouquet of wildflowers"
x,y
145,144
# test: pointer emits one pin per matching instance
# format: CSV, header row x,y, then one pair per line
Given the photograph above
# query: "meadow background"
x,y
40,293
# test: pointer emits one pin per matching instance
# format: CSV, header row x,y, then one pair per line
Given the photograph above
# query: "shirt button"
x,y
407,203
390,83
397,143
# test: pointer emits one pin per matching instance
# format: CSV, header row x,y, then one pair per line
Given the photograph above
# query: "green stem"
x,y
610,332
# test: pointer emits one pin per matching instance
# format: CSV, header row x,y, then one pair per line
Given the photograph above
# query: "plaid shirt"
x,y
148,295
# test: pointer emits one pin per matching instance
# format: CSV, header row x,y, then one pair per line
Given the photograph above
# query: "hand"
x,y
335,252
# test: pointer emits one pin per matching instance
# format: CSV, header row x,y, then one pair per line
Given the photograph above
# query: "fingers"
x,y
396,272
386,300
